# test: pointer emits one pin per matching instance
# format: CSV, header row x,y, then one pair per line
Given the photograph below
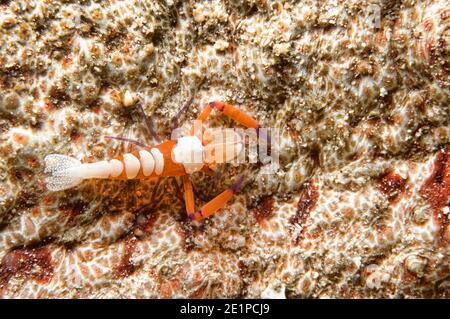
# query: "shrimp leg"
x,y
234,113
213,205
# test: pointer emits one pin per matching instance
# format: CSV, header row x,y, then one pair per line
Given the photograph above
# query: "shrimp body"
x,y
148,163
180,157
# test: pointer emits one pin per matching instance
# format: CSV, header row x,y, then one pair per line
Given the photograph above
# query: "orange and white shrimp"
x,y
181,157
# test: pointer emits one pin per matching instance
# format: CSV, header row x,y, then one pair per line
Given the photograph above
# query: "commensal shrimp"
x,y
181,157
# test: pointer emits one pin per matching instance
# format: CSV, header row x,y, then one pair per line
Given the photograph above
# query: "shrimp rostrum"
x,y
176,157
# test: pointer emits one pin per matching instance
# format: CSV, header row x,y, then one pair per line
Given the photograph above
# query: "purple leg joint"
x,y
192,216
237,184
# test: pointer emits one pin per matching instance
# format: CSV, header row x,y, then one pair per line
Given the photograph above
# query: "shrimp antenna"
x,y
177,116
149,124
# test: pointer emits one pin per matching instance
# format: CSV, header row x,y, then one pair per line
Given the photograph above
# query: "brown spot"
x,y
48,104
84,270
396,118
90,159
418,100
127,46
33,162
367,92
97,271
199,293
115,96
30,228
67,61
75,137
88,255
428,25
95,51
73,210
126,266
436,189
28,263
105,224
428,50
348,212
392,184
96,109
35,211
293,132
307,202
373,121
168,287
264,209
380,38
12,101
148,226
20,138
362,67
49,200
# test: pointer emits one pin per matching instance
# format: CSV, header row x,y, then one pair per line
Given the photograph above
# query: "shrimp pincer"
x,y
181,157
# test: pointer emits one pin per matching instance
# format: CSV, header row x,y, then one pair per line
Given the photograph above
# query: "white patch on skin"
x,y
132,165
189,152
147,162
116,167
129,98
159,160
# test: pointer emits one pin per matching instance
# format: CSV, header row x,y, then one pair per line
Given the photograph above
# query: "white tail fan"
x,y
60,170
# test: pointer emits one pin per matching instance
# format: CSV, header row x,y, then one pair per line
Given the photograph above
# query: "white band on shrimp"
x,y
132,165
159,160
116,167
147,162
